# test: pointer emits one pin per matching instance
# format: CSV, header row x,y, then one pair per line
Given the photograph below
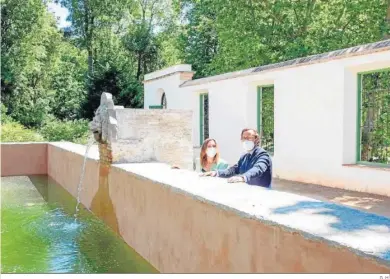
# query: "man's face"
x,y
248,140
248,135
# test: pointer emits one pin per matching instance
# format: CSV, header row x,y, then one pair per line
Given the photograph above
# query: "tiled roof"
x,y
342,53
326,56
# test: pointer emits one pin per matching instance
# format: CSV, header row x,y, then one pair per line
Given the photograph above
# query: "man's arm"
x,y
261,165
233,170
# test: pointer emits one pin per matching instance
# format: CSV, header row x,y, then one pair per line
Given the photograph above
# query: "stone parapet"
x,y
137,135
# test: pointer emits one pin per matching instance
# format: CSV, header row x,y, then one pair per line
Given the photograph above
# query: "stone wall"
x,y
139,136
153,135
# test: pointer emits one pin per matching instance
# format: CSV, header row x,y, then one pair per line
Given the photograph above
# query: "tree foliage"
x,y
111,45
223,36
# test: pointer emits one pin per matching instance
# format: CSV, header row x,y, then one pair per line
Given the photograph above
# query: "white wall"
x,y
315,119
169,85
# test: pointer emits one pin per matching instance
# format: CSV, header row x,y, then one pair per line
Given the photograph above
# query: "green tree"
x,y
150,20
30,49
199,38
125,90
88,16
68,82
221,36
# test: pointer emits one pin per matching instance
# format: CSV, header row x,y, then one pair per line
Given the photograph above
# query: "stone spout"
x,y
96,128
102,125
97,136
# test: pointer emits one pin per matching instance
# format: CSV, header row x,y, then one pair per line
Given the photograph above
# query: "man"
x,y
254,167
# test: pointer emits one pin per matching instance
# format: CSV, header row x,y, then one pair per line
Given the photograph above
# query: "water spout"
x,y
98,136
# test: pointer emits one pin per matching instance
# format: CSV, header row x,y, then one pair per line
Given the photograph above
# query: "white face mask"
x,y
248,145
211,151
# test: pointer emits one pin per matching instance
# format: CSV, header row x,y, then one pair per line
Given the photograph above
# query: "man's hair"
x,y
257,136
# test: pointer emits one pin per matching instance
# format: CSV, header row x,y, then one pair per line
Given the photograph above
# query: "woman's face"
x,y
211,144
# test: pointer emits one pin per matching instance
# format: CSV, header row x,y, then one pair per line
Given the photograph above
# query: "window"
x,y
204,117
164,101
265,117
163,104
373,135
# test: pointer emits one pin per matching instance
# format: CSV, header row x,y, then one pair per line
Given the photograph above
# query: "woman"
x,y
209,159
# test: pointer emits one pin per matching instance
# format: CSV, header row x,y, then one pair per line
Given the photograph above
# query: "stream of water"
x,y
91,141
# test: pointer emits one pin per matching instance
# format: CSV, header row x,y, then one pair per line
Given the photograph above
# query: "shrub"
x,y
72,130
15,132
4,117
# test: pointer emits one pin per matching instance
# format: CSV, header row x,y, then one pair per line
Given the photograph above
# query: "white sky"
x,y
60,13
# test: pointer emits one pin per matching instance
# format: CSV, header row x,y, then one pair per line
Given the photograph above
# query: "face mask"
x,y
248,145
211,152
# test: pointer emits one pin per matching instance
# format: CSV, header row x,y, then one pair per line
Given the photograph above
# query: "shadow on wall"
x,y
351,224
102,205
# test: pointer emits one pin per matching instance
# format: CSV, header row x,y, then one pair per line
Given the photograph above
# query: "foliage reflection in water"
x,y
39,233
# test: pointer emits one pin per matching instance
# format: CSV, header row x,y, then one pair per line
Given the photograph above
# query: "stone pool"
x,y
175,220
40,233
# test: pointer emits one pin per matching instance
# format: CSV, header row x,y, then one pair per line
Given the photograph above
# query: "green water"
x,y
39,233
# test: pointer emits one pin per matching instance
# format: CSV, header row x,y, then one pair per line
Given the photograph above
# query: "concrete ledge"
x,y
23,158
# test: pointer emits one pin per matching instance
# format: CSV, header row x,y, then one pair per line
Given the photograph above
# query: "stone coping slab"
x,y
93,152
365,233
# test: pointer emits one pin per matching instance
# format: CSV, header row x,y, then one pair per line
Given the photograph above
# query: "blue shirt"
x,y
255,167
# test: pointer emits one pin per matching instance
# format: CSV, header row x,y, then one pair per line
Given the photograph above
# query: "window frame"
x,y
260,110
359,119
201,117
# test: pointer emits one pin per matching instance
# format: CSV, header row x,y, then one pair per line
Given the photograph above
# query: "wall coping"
x,y
181,68
93,153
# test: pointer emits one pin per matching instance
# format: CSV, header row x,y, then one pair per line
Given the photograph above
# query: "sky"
x,y
60,13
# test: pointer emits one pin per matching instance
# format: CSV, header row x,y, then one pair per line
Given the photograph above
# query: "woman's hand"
x,y
236,179
209,173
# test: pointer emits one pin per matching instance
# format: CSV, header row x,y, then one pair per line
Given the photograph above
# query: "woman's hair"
x,y
203,155
257,136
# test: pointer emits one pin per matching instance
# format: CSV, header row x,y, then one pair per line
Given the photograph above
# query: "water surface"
x,y
39,233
